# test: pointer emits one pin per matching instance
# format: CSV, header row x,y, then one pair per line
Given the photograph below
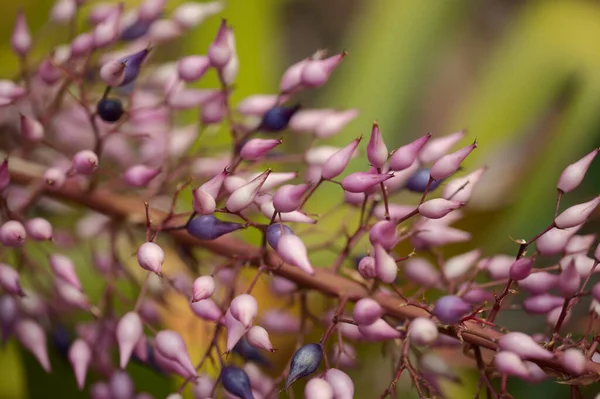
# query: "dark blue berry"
x,y
109,109
136,30
249,352
277,118
208,227
61,340
418,182
305,361
274,233
236,382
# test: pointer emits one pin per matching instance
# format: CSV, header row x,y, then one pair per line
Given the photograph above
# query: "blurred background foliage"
x,y
523,77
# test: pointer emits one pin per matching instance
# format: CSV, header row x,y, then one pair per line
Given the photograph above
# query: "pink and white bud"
x,y
338,161
524,346
292,250
113,73
85,162
193,98
384,233
420,271
202,387
542,303
307,121
580,243
82,44
12,234
279,321
63,11
54,178
206,309
318,388
191,14
576,214
10,281
140,175
555,240
377,152
149,10
70,295
596,292
33,338
244,308
20,40
574,361
151,257
351,331
449,164
129,332
458,265
436,148
203,288
170,344
289,197
39,229
64,268
461,189
244,196
366,311
511,364
555,314
422,331
360,182
498,266
569,281
397,212
406,155
282,286
344,355
334,122
521,268
235,330
80,357
316,72
258,148
258,104
213,186
385,265
275,179
539,283
259,338
366,267
219,52
232,183
107,31
268,209
31,129
573,174
341,383
379,331
121,385
193,67
438,208
437,236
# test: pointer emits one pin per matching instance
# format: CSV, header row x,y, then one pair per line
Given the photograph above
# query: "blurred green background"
x,y
523,77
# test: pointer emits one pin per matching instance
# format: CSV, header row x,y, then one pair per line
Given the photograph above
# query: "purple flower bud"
x,y
292,250
149,10
64,268
422,331
569,281
20,40
377,152
305,361
555,240
573,174
258,148
9,280
448,164
206,309
539,283
31,129
418,181
170,344
521,268
543,303
80,356
208,227
140,175
343,387
33,338
291,79
338,161
360,182
9,313
420,271
113,73
378,331
316,72
151,257
277,118
133,64
259,338
574,361
438,208
477,296
85,162
318,388
366,267
451,309
275,232
12,234
524,346
203,386
39,229
406,155
4,175
236,382
509,363
436,148
129,332
82,44
385,265
367,311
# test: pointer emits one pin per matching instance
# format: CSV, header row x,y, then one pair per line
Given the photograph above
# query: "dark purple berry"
x,y
208,227
135,30
249,352
277,118
274,233
236,382
418,182
109,109
305,361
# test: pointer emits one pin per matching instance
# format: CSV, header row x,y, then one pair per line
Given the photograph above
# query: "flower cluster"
x,y
96,123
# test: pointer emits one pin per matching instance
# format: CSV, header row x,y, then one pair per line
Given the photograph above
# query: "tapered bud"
x,y
451,309
236,382
438,208
259,338
521,268
338,161
334,122
576,214
82,44
292,250
377,152
235,330
268,209
539,283
344,355
191,14
85,162
477,296
258,148
203,386
31,129
63,11
4,175
555,240
384,233
580,243
543,303
341,383
151,257
511,364
244,308
107,31
64,268
574,361
208,227
385,265
213,186
33,338
170,344
366,311
193,67
9,280
206,309
39,229
436,148
524,346
437,236
282,286
448,164
113,73
366,267
461,189
80,357
278,321
140,175
307,121
121,385
203,288
378,331
243,197
129,332
457,266
397,212
20,40
316,72
360,182
573,174
9,314
289,197
406,155
149,10
422,331
275,232
420,271
12,234
569,281
219,52
318,388
259,104
305,361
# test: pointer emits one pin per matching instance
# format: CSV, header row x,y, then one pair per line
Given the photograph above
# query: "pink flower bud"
x,y
193,67
498,266
379,331
203,386
20,40
288,197
151,257
573,174
9,280
318,388
524,346
406,155
341,383
63,11
191,14
334,122
448,164
397,212
377,152
420,271
422,331
82,44
521,268
596,292
576,214
539,283
107,31
436,148
275,179
292,250
140,175
461,189
259,338
33,338
385,265
580,243
64,268
360,182
71,295
80,357
316,72
219,52
437,236
206,309
258,148
438,208
12,234
384,233
54,178
307,120
366,267
85,162
555,240
509,363
279,321
121,385
129,332
268,209
244,308
338,161
367,311
574,361
458,265
113,73
213,186
203,288
569,281
243,197
194,98
543,303
450,309
344,355
149,10
170,344
536,374
4,175
39,229
31,129
282,286
235,330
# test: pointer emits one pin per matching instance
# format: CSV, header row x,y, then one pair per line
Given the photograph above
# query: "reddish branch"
x,y
132,209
